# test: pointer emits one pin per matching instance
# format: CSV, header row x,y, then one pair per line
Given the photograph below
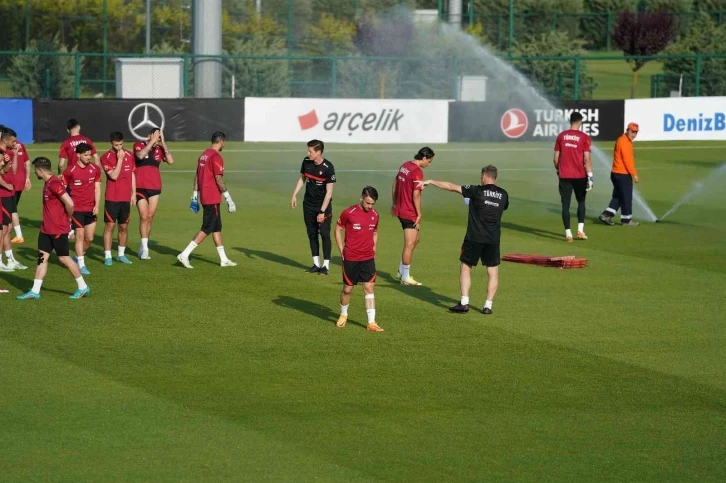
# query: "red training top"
x,y
82,181
120,188
55,219
408,174
68,148
572,146
148,176
22,173
360,227
209,165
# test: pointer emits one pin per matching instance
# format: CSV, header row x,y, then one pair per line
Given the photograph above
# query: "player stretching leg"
x,y
149,156
360,223
57,208
407,207
118,163
487,203
9,154
209,187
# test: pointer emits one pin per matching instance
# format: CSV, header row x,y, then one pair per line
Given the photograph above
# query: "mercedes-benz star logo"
x,y
140,126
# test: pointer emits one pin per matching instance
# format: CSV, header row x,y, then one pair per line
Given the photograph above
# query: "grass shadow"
x,y
272,257
422,293
531,230
311,308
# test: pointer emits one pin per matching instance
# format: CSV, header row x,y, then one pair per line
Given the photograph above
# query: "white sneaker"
x,y
4,268
184,261
228,263
16,265
144,255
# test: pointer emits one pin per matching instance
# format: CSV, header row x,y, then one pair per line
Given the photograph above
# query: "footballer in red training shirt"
x,y
67,156
84,180
574,169
209,186
119,165
21,180
149,156
407,207
360,223
57,207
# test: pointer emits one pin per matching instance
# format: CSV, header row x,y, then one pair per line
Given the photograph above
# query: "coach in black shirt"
x,y
487,203
318,175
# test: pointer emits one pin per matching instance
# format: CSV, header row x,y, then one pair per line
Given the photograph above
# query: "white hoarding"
x,y
346,120
678,119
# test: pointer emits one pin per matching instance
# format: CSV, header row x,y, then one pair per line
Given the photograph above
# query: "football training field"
x,y
616,372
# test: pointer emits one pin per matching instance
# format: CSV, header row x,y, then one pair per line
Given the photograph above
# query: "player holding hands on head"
x,y
318,175
406,195
360,223
487,203
574,169
119,165
8,170
209,187
57,207
149,156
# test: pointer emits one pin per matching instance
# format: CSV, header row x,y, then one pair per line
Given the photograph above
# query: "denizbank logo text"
x,y
704,122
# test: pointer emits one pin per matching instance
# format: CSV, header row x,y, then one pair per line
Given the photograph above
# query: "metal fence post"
x,y
27,23
609,27
456,88
697,89
185,76
576,90
77,69
47,83
333,76
104,59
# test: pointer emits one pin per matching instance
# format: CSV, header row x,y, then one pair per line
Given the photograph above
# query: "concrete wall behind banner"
x,y
364,121
17,114
513,121
678,119
181,119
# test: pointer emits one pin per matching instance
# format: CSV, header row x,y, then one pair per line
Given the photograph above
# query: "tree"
x,y
255,76
703,37
641,35
601,15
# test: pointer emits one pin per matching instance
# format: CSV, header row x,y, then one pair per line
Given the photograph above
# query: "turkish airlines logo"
x,y
514,123
308,121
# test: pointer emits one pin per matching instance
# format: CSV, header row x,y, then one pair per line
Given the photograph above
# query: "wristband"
x,y
195,195
589,175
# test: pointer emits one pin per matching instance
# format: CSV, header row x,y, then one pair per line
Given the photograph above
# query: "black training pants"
x,y
314,229
622,196
567,186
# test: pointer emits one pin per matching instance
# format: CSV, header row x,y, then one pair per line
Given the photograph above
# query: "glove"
x,y
231,207
590,181
194,205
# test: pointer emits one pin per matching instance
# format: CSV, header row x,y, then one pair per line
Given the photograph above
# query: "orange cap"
x,y
633,127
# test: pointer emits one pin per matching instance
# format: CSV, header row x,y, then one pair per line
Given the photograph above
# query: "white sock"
x,y
222,255
371,313
81,283
400,267
581,227
568,233
488,304
464,300
326,263
189,249
144,243
121,251
36,286
18,231
81,261
406,272
71,233
107,254
9,254
344,310
316,261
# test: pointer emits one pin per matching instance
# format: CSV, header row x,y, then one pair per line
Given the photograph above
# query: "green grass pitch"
x,y
611,373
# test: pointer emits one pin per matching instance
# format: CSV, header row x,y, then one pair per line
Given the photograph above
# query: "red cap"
x,y
633,127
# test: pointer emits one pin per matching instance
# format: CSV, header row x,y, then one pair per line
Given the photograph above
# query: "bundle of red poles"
x,y
545,261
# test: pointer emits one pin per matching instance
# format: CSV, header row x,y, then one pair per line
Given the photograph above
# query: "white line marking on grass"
x,y
428,170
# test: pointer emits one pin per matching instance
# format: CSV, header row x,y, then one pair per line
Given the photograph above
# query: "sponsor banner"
x,y
678,119
346,120
17,114
180,119
513,121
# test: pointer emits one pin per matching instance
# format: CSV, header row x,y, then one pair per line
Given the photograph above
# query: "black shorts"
x,y
82,218
568,185
359,272
212,219
8,208
117,212
17,197
144,194
49,243
407,224
472,252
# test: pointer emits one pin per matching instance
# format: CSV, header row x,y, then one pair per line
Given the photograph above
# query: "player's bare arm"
x,y
417,207
168,158
97,195
326,201
14,166
444,185
97,161
196,183
557,160
220,183
588,162
133,189
28,184
394,194
116,171
62,164
375,242
67,203
339,239
298,187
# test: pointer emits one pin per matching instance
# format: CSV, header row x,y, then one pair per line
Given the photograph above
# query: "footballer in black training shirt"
x,y
318,175
487,203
